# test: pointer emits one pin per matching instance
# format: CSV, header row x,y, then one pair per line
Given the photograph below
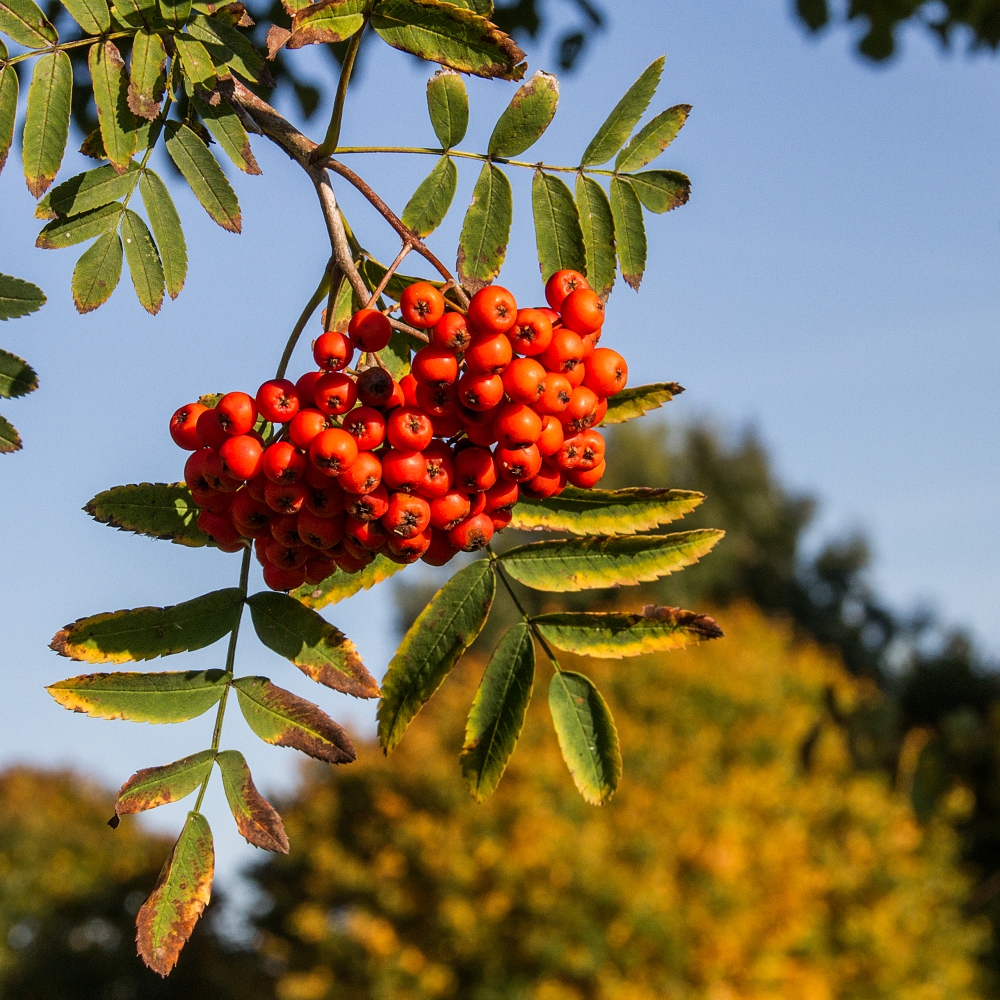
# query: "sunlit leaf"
x,y
652,139
557,226
630,231
150,787
631,403
661,190
618,126
46,120
97,272
498,710
166,226
66,232
107,70
426,210
159,510
10,440
9,89
19,297
232,46
482,246
146,76
145,633
448,107
597,226
339,586
92,15
256,819
24,21
617,561
143,262
327,21
175,12
527,116
17,377
229,133
196,63
432,646
87,191
202,171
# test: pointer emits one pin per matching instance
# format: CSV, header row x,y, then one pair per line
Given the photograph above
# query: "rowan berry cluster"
x,y
326,472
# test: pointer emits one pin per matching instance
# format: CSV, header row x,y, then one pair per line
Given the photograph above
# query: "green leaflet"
x,y
229,133
136,13
286,720
97,272
634,402
166,225
618,126
182,892
9,89
612,635
605,512
171,696
396,355
18,297
597,226
426,210
159,510
145,633
340,586
87,191
587,735
661,190
143,262
156,786
199,70
10,440
92,15
322,652
486,229
256,819
557,226
202,171
527,116
107,69
147,77
652,139
225,42
630,231
498,710
448,107
484,7
24,21
66,232
17,377
455,37
594,563
327,21
46,120
175,12
443,631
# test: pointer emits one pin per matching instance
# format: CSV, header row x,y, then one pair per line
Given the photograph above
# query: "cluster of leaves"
x,y
17,377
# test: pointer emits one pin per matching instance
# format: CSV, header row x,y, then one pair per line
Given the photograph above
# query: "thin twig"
x,y
400,257
329,144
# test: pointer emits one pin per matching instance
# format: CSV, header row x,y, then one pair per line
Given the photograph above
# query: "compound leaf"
x,y
557,226
18,297
111,86
661,190
150,787
97,272
630,231
328,21
443,631
486,229
453,36
92,15
9,90
286,720
202,171
229,133
597,226
618,126
426,210
182,892
158,510
527,116
256,819
17,377
498,711
46,120
319,650
147,78
166,225
448,107
592,563
605,512
143,262
587,735
339,586
145,633
170,696
87,191
652,139
630,403
24,21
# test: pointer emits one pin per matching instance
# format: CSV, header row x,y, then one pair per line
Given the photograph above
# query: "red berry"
x,y
406,515
532,333
421,304
407,550
440,551
593,449
440,471
409,429
284,579
283,463
286,556
278,400
501,496
555,395
561,284
451,332
449,510
369,506
367,426
403,470
325,501
250,517
488,354
436,401
605,372
586,479
582,311
209,430
517,465
368,534
492,310
545,484
581,411
551,438
213,500
516,425
219,527
434,366
369,330
473,534
304,387
216,476
194,470
305,425
569,454
236,413
480,392
474,470
375,386
363,476
184,426
332,351
448,424
524,380
501,519
320,532
335,393
241,457
408,385
285,498
255,487
333,451
564,352
318,568
285,529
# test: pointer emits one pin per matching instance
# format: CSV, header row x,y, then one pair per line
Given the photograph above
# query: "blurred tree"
x,y
744,856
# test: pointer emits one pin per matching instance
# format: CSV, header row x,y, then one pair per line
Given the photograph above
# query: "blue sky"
x,y
833,283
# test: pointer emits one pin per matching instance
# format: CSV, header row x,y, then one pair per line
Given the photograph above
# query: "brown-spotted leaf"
x,y
276,39
182,892
256,819
150,787
327,21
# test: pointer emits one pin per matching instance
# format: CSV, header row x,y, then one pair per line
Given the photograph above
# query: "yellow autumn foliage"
x,y
743,858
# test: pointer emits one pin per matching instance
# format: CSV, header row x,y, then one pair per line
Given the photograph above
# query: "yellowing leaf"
x,y
150,787
256,819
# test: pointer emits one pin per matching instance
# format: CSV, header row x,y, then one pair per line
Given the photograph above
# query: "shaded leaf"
x,y
10,440
24,21
182,892
618,126
587,735
605,512
175,12
159,510
455,37
143,262
92,15
147,77
46,120
597,226
426,210
166,226
196,63
169,696
226,43
256,819
284,719
634,402
432,646
630,231
97,272
448,107
150,787
18,297
93,146
653,138
107,70
661,190
527,116
339,586
87,191
136,13
9,89
65,232
557,226
202,171
327,21
594,563
17,377
486,229
484,7
319,650
498,710
229,133
145,633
